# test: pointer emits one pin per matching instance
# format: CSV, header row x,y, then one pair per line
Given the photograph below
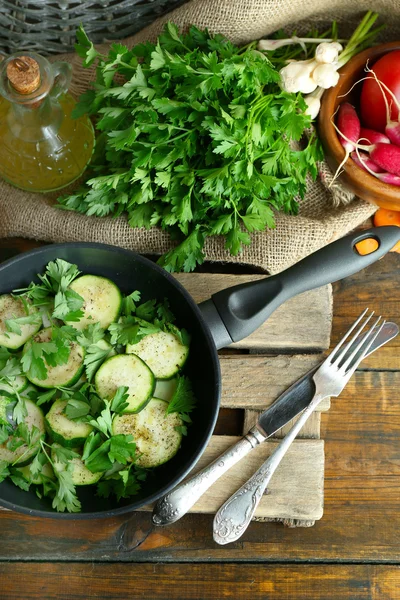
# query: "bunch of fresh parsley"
x,y
195,136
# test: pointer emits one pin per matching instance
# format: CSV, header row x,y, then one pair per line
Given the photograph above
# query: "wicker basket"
x,y
49,27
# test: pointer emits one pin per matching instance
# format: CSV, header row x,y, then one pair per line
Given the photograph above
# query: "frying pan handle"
x,y
243,308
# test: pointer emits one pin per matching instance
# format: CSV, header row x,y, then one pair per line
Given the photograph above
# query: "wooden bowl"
x,y
360,182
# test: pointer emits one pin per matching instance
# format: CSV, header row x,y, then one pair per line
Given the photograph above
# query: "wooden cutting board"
x,y
259,369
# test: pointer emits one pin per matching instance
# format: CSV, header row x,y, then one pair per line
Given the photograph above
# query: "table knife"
x,y
296,398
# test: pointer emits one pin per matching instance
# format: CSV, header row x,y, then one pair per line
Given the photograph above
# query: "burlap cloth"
x,y
325,214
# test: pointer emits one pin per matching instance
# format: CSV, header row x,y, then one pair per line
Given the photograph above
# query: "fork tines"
x,y
345,361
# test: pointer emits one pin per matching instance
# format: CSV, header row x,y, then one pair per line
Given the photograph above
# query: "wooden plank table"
x,y
353,552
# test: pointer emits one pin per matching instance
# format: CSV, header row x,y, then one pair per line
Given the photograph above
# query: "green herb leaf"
x,y
99,460
67,306
37,464
122,448
46,397
75,409
59,275
94,357
119,402
103,422
84,48
18,480
93,441
4,434
63,455
147,310
183,400
92,334
129,303
66,498
4,471
14,325
20,411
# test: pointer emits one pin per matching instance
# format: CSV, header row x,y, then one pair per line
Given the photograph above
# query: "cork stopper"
x,y
24,74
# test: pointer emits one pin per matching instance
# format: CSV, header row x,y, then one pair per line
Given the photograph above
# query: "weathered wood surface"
x,y
302,323
255,382
198,582
295,491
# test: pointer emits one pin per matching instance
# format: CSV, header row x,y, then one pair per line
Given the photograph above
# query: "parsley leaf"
x,y
183,400
14,325
123,484
99,460
4,434
18,480
46,397
130,330
67,306
94,357
59,275
104,421
129,303
75,409
147,310
66,498
119,402
122,448
92,334
4,471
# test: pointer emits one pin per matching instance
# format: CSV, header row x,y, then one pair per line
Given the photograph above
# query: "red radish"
x,y
373,110
349,131
348,125
363,161
373,137
370,166
386,156
389,178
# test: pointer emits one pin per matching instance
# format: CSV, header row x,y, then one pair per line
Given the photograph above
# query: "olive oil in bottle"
x,y
42,147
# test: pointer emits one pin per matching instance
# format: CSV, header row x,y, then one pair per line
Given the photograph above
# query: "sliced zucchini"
x,y
162,352
6,410
102,300
22,455
17,384
128,370
61,375
13,308
165,388
154,432
80,473
62,430
46,473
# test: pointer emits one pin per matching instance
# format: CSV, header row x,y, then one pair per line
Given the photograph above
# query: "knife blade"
x,y
176,503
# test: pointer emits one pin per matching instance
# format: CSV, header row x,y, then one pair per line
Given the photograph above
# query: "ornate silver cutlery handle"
x,y
174,505
233,518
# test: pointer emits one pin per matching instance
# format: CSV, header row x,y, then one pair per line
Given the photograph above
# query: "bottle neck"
x,y
34,123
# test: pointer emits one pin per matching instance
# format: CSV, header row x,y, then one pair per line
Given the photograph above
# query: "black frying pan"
x,y
229,315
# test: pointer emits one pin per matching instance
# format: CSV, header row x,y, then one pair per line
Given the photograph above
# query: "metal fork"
x,y
234,516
